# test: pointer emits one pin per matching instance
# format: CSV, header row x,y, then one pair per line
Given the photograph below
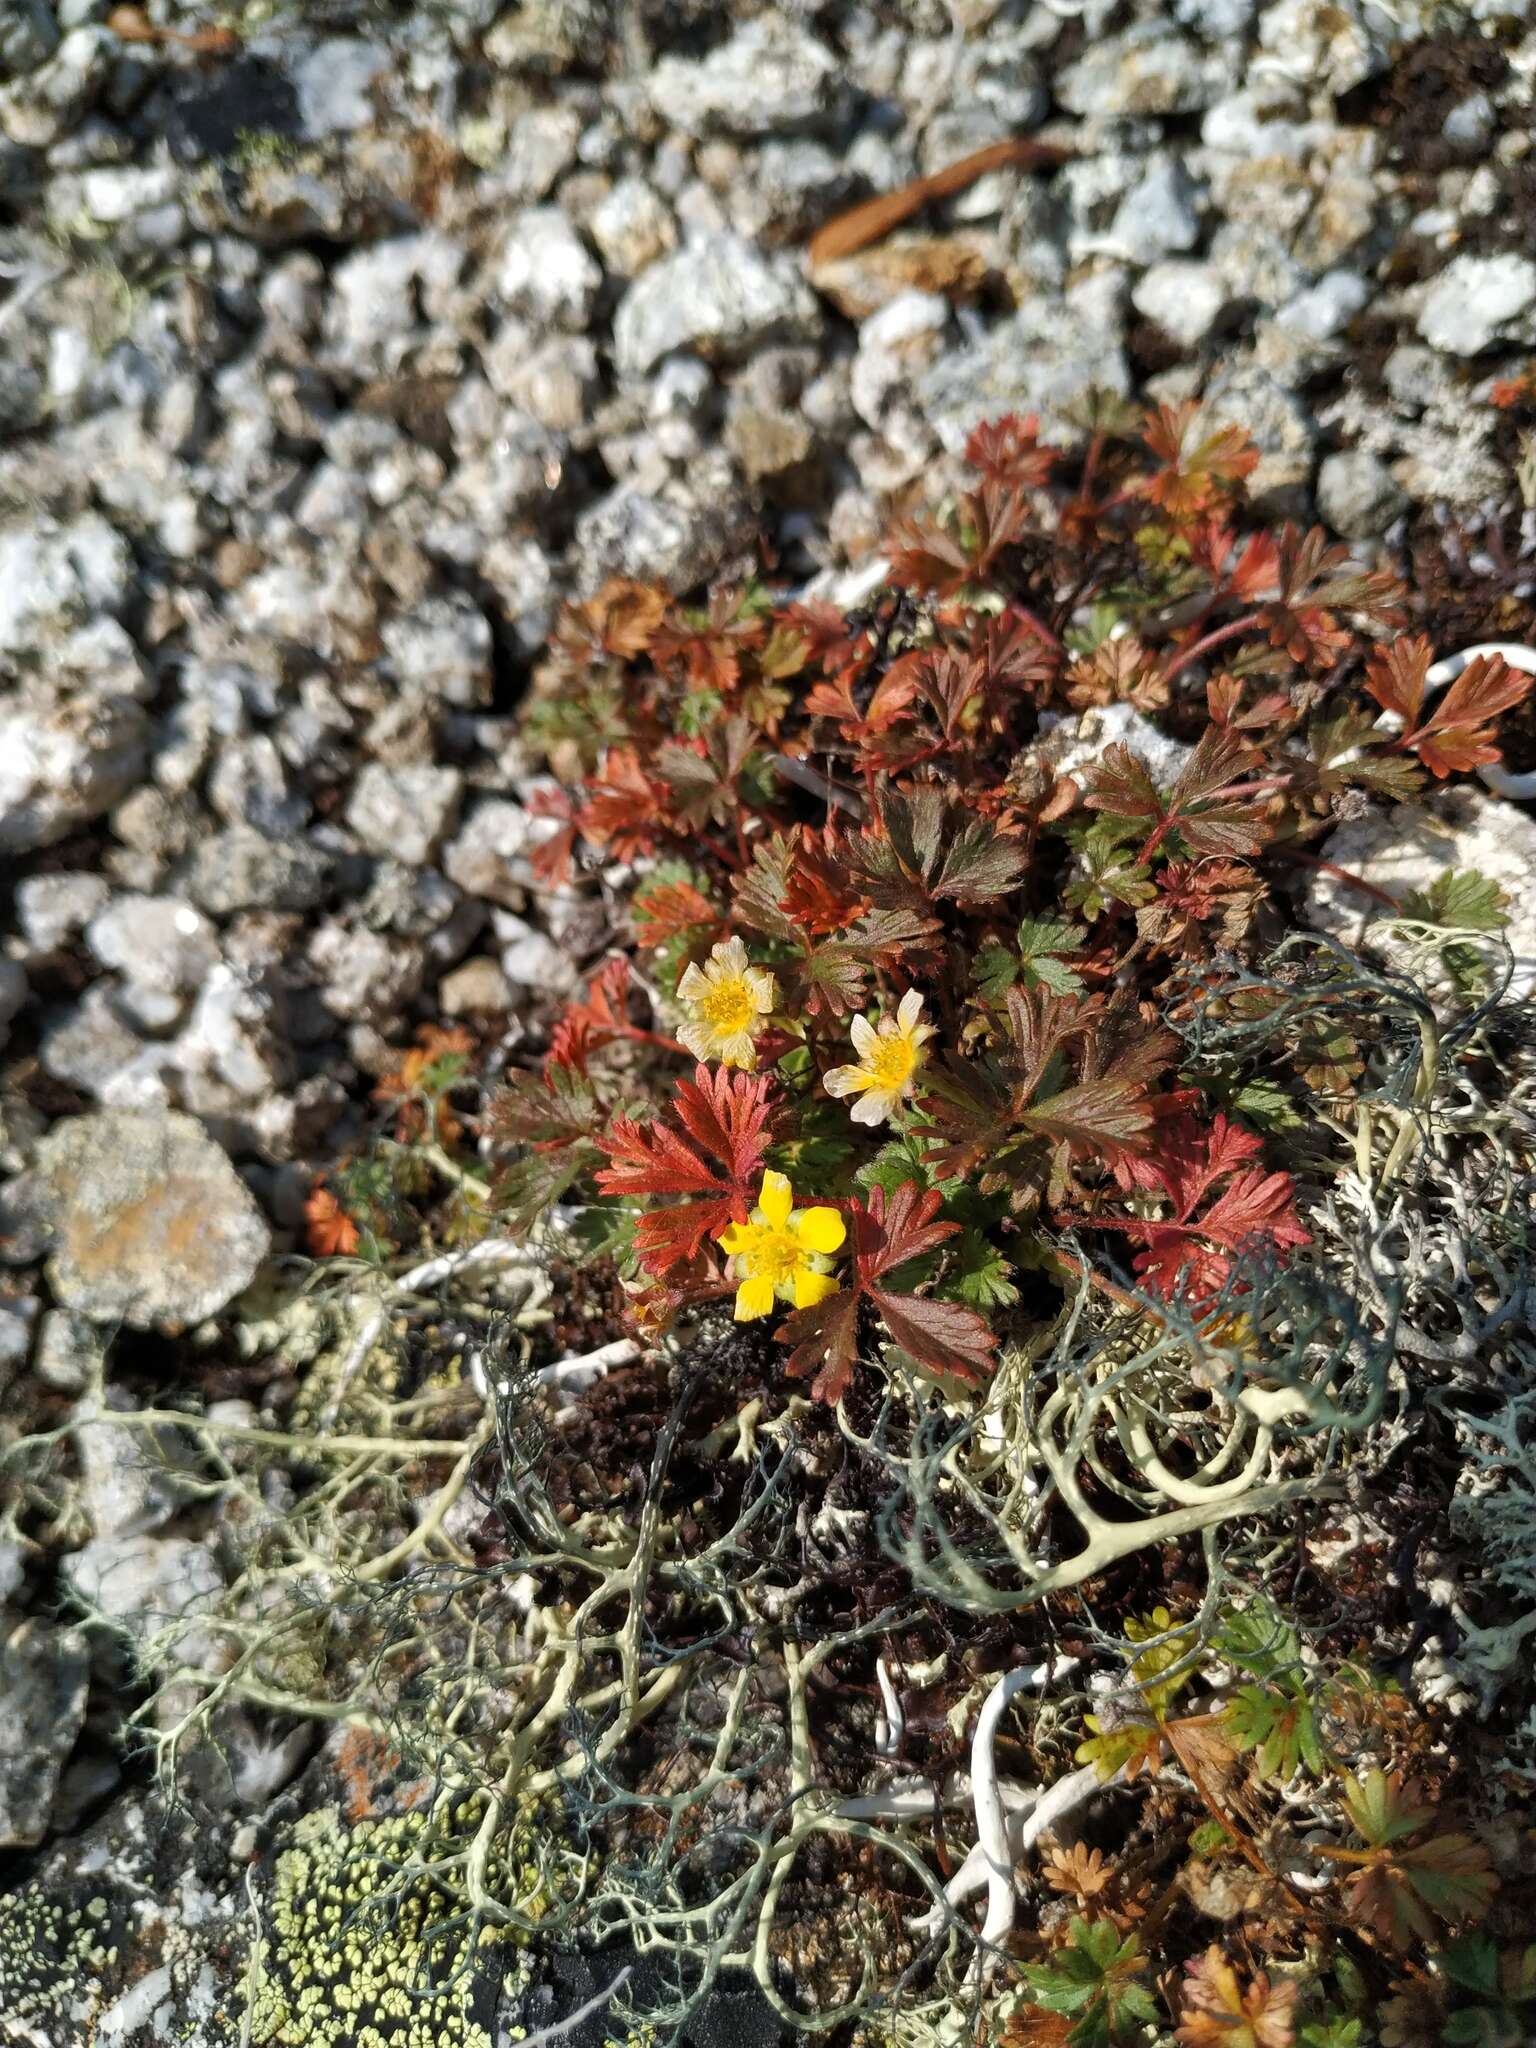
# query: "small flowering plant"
x,y
894,1037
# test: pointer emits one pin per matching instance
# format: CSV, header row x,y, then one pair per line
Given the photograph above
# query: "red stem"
x,y
1219,638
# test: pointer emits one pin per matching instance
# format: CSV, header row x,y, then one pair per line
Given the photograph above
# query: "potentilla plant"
x,y
896,1026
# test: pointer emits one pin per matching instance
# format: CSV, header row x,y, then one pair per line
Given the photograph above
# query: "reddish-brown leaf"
x,y
1220,2011
328,1230
725,1114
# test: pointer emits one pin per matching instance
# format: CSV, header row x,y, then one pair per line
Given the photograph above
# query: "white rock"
x,y
1323,43
158,943
489,858
717,295
48,570
64,759
545,272
1157,217
1075,744
1325,308
1407,847
769,76
1185,299
1357,494
1146,69
632,225
404,812
1472,298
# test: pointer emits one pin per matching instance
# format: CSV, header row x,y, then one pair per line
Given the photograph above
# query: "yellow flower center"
x,y
890,1064
772,1254
729,1006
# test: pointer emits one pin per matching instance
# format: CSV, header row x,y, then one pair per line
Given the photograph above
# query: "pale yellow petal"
x,y
875,1107
845,1080
693,987
864,1036
777,1198
729,956
736,1051
820,1229
754,1298
909,1011
811,1287
762,988
699,1039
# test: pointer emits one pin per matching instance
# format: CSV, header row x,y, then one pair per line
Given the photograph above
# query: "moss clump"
x,y
357,1939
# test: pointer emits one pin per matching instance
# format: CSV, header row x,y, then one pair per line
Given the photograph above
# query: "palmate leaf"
x,y
1221,2011
1279,1727
890,1231
716,1159
834,972
932,849
1206,805
1462,900
1097,1977
1457,734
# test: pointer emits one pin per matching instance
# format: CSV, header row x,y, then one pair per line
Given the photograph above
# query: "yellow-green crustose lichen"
x,y
354,1943
52,1959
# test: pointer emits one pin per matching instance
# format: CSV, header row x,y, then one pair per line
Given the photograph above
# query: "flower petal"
x,y
735,1051
865,1037
761,987
734,1238
811,1287
820,1229
699,1039
694,986
909,1011
843,1080
729,956
754,1298
777,1198
875,1107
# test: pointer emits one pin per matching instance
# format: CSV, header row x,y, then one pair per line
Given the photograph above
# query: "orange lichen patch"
x,y
368,1767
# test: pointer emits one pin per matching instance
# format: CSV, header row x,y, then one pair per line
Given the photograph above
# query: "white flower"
x,y
726,998
890,1054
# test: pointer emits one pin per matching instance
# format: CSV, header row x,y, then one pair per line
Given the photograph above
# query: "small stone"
x,y
335,83
1185,299
366,977
404,812
235,1035
1322,43
443,647
69,1352
1158,216
531,959
65,758
145,1582
159,943
1147,69
771,75
1327,307
1473,298
50,571
44,1678
1357,494
632,226
478,988
89,1046
1043,360
545,272
18,1320
767,444
130,1479
717,295
678,536
1284,432
148,1220
241,869
489,858
1406,847
1078,742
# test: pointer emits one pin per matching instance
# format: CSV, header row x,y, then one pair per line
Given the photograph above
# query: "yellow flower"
x,y
782,1251
889,1056
726,998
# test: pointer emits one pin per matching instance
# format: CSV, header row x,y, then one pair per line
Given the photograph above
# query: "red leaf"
x,y
623,810
1194,1252
663,911
1458,735
1008,451
942,1335
726,1115
328,1230
593,1020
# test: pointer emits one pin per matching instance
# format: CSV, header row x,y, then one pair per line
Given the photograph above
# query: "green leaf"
x,y
1258,1639
1266,1106
898,1160
1281,1727
1382,1811
981,1275
1332,2033
1461,899
1110,875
